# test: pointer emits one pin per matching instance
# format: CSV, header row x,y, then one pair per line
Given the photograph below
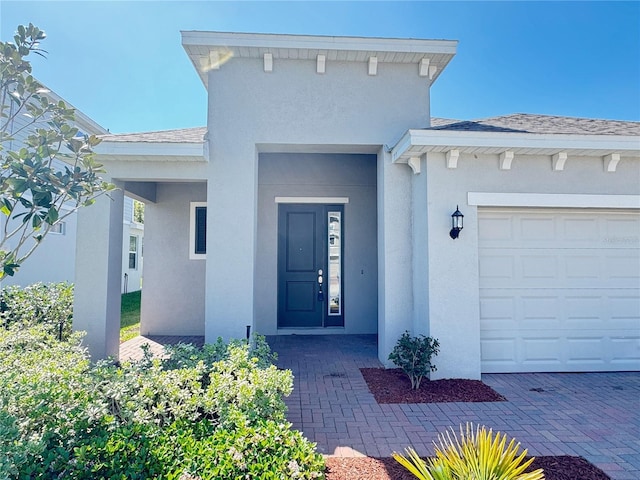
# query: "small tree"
x,y
34,184
413,356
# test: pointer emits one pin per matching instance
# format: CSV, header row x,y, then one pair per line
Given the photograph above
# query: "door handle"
x,y
320,292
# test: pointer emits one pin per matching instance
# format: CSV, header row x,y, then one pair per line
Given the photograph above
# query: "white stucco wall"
x,y
174,290
453,285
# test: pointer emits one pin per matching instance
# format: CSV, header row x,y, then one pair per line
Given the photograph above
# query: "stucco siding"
x,y
290,109
321,175
453,264
174,289
295,105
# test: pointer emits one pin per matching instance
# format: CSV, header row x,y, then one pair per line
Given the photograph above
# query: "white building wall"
x,y
453,264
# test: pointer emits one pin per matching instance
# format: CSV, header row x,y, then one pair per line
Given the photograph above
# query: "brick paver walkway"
x,y
593,415
131,349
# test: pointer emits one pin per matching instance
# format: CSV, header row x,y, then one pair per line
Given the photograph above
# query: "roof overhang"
x,y
415,143
152,151
209,50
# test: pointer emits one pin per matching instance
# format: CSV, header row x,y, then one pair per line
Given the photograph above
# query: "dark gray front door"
x,y
310,292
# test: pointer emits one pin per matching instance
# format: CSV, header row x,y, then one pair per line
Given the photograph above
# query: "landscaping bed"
x,y
392,386
368,468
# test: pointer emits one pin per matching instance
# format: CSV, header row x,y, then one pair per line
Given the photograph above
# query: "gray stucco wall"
x,y
453,280
174,287
293,109
320,175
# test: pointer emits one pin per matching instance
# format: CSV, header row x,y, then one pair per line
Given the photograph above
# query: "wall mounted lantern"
x,y
456,223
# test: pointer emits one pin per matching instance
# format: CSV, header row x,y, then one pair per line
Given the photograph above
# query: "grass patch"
x,y
130,316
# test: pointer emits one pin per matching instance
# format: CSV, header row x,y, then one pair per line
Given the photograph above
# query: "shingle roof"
x,y
182,135
541,124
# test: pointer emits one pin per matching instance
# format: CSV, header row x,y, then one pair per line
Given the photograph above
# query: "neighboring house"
x,y
319,200
54,259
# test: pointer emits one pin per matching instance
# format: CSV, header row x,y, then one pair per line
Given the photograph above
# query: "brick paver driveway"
x,y
593,415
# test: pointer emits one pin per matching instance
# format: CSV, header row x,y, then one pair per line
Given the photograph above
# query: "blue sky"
x,y
122,63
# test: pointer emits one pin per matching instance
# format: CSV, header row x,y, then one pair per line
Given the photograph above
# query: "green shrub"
x,y
476,454
186,355
45,388
61,417
47,304
413,356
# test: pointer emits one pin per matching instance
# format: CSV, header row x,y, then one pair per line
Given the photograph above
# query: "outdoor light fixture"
x,y
456,223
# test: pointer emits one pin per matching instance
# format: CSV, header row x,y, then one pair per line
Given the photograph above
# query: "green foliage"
x,y
138,211
187,355
216,414
33,185
413,356
130,315
476,454
48,304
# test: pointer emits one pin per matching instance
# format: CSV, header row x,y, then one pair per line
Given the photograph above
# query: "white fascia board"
x,y
229,39
159,149
401,147
552,200
441,138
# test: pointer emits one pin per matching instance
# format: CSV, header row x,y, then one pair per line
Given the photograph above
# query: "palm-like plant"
x,y
476,455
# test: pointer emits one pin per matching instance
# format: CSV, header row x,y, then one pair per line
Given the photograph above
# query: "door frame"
x,y
327,202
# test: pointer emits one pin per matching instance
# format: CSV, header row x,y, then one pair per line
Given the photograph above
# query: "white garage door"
x,y
559,290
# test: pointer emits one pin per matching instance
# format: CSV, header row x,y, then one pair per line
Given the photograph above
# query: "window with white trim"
x,y
59,228
198,231
133,252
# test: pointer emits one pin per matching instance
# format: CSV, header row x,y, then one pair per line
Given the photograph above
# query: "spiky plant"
x,y
476,455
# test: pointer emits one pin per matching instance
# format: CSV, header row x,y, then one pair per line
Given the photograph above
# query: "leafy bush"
x,y
413,356
186,355
61,417
476,454
47,304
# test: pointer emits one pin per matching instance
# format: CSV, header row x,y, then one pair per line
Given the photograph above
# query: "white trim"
x,y
558,200
611,162
506,158
321,62
414,163
327,200
192,231
373,66
452,158
313,42
268,62
558,160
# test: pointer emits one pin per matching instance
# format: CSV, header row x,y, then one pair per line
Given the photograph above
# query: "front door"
x,y
310,264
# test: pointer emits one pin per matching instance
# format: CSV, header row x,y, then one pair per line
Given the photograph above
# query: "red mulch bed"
x,y
367,468
393,386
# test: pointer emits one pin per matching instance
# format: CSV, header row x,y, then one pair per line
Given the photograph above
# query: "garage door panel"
x,y
622,230
625,350
580,230
539,267
498,312
586,348
500,353
625,265
537,228
559,291
542,350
